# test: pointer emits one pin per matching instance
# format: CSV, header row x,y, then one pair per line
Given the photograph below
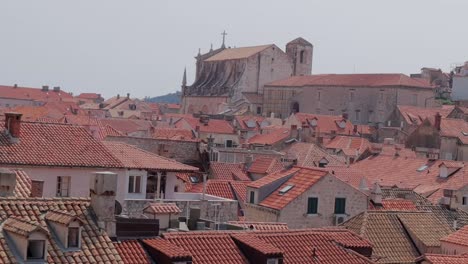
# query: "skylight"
x,y
286,189
422,168
194,179
465,133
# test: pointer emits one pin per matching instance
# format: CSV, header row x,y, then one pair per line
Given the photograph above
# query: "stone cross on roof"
x,y
224,38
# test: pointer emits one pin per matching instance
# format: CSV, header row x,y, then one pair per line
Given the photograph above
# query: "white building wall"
x,y
460,88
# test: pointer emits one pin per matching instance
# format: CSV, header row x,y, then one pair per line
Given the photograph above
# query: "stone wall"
x,y
226,211
182,151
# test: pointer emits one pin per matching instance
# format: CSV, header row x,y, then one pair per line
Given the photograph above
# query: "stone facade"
x,y
295,213
181,151
223,75
364,105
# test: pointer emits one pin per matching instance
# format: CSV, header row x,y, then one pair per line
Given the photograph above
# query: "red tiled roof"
x,y
271,137
208,247
272,178
265,165
254,121
460,237
398,205
325,123
22,227
240,190
349,145
134,158
174,134
310,155
445,259
43,144
215,126
260,226
61,217
132,252
23,184
238,53
162,208
416,115
391,150
126,126
354,80
168,249
228,171
220,188
96,246
301,182
89,96
454,128
33,94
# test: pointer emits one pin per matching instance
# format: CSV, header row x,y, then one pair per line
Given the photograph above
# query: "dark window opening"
x,y
36,249
73,236
302,56
312,205
340,205
252,197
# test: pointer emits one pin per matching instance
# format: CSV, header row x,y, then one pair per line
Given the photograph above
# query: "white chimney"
x,y
103,188
376,194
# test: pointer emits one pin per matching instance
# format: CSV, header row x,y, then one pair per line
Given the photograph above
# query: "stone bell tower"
x,y
301,52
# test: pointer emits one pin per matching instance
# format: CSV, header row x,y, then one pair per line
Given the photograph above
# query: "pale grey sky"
x,y
142,46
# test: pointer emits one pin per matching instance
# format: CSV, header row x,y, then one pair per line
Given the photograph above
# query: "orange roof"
x,y
349,145
220,188
162,208
132,252
89,96
174,134
238,53
23,184
271,137
416,115
354,80
298,183
325,123
228,171
272,178
43,144
454,128
134,158
445,259
260,226
168,249
33,94
265,165
398,205
215,126
310,155
460,237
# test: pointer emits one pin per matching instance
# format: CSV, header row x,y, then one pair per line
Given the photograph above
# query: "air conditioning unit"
x,y
339,219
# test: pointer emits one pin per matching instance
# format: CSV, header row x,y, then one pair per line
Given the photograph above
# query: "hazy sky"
x,y
142,47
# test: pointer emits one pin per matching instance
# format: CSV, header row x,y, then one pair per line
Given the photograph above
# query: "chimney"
x,y
204,185
294,133
248,159
103,188
7,182
45,88
355,129
128,95
13,125
376,194
37,188
438,121
363,185
197,130
15,85
57,89
345,116
118,96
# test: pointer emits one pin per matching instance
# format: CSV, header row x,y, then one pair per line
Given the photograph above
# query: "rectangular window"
x,y
415,99
340,205
63,186
312,205
351,96
229,143
319,96
134,184
259,110
357,115
73,236
252,197
36,249
464,200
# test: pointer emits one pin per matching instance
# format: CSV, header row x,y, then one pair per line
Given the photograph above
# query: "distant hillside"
x,y
173,98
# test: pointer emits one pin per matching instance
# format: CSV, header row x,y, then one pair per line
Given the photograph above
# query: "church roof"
x,y
300,40
238,53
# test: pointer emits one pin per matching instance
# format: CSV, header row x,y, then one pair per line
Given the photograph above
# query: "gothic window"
x,y
295,107
302,56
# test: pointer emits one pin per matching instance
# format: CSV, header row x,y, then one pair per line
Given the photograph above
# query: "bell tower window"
x,y
302,56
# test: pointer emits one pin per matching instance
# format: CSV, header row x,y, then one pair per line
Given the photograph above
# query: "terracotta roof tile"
x,y
220,188
96,246
460,237
445,259
89,96
354,80
23,184
325,124
416,115
33,94
240,190
310,155
238,53
260,226
174,134
398,205
454,128
61,217
22,227
55,145
299,183
270,138
132,252
135,158
169,249
162,208
228,171
265,165
215,126
272,178
349,145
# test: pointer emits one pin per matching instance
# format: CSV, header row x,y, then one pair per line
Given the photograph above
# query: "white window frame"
x,y
132,184
63,186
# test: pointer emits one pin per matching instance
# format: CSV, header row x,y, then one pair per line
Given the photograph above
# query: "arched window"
x,y
302,56
295,107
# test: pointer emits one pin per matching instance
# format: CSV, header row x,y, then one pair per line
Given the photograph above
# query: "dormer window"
x,y
36,249
66,227
313,122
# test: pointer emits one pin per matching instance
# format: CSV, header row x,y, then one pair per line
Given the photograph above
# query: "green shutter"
x,y
340,205
312,205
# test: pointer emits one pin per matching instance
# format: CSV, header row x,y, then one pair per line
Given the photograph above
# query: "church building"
x,y
231,80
